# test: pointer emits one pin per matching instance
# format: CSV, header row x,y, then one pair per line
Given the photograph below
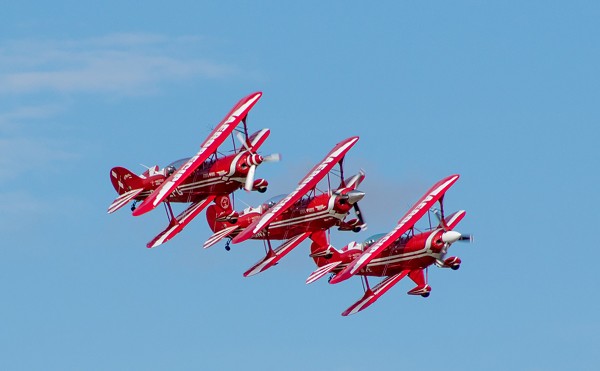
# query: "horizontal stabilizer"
x,y
123,199
371,296
322,271
273,256
180,222
218,236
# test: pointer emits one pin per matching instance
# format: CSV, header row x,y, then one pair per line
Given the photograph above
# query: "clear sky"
x,y
505,93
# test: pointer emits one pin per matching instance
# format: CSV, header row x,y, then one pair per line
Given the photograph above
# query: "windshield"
x,y
179,163
371,240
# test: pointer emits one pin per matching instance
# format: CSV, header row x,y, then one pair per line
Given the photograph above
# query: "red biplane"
x,y
199,179
294,217
400,253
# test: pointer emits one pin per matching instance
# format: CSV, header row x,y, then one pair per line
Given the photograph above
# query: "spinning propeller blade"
x,y
242,141
466,237
273,157
359,214
250,178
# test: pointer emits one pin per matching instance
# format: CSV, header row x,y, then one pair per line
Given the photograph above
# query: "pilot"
x,y
267,205
170,170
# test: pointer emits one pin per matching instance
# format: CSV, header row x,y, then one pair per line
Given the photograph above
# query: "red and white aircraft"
x,y
295,216
198,179
395,255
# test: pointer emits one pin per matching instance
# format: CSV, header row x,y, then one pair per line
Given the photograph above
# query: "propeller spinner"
x,y
254,159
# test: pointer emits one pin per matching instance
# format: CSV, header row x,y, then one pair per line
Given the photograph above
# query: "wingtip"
x,y
141,209
256,94
338,278
239,238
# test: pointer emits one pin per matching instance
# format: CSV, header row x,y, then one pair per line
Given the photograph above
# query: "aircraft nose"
x,y
255,159
451,236
354,196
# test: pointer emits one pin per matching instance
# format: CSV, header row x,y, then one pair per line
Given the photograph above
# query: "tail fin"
x,y
320,249
221,215
326,256
124,180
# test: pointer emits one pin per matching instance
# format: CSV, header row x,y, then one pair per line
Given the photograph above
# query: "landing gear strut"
x,y
227,247
133,206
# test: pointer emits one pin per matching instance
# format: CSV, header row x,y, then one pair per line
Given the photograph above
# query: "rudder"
x,y
221,215
124,180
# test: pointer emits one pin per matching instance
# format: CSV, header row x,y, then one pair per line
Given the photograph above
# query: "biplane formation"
x,y
209,179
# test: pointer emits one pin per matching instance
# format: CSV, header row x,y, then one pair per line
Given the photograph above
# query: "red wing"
x,y
371,296
452,220
273,256
257,139
306,184
180,222
406,223
210,145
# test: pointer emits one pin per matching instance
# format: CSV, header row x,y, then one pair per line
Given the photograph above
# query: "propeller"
x,y
250,178
254,160
359,214
242,141
448,237
467,237
352,197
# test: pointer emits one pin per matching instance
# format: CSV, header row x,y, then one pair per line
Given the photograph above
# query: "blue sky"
x,y
504,93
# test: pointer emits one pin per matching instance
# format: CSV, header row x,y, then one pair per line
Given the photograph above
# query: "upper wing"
x,y
308,182
406,223
256,140
210,145
452,220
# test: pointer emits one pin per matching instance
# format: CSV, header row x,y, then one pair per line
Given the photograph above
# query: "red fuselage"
x,y
310,214
407,253
214,177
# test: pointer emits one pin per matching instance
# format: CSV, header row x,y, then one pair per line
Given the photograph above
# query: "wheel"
x,y
425,295
356,229
262,190
455,267
227,247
